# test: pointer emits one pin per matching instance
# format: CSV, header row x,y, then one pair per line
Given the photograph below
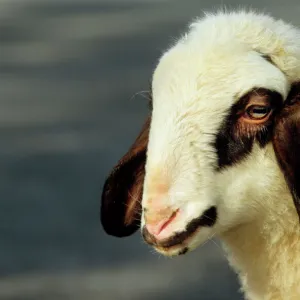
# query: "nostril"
x,y
173,216
155,227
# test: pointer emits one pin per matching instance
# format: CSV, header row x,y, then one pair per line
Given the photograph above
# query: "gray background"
x,y
68,74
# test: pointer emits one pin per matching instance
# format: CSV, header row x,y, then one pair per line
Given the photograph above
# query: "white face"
x,y
223,130
209,143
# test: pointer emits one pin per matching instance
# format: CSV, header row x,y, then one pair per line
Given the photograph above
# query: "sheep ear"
x,y
286,142
122,192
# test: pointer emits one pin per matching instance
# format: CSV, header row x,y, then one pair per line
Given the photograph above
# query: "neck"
x,y
266,254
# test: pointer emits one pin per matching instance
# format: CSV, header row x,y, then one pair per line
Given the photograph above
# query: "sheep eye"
x,y
258,112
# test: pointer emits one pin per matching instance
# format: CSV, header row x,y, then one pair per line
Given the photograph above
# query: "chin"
x,y
179,243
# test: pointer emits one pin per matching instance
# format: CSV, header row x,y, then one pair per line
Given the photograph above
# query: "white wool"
x,y
196,81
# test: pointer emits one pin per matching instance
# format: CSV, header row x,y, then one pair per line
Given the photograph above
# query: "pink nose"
x,y
158,215
158,222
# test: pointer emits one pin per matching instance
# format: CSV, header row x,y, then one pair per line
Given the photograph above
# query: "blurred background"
x,y
70,71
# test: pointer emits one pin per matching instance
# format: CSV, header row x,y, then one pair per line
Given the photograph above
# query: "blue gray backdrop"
x,y
68,72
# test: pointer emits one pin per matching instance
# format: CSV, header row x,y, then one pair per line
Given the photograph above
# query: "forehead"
x,y
191,76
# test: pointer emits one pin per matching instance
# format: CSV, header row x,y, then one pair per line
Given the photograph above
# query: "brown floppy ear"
x,y
122,192
286,141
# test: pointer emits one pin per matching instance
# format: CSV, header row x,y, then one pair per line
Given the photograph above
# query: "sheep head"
x,y
222,138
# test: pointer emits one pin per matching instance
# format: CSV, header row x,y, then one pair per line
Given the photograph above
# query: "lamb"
x,y
220,152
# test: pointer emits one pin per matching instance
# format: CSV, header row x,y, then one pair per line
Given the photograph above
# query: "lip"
x,y
207,219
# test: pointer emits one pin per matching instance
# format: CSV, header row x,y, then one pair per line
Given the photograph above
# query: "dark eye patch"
x,y
233,141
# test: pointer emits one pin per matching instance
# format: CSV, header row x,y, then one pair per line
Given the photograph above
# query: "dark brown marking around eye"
x,y
236,137
286,142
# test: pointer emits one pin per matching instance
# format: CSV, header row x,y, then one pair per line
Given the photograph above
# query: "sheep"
x,y
219,153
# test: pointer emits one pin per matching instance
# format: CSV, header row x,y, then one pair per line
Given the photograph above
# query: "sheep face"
x,y
212,154
209,145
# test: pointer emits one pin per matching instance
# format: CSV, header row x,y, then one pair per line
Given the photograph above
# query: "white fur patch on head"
x,y
195,85
212,165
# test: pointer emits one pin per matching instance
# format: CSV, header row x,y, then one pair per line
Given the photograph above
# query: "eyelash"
x,y
264,110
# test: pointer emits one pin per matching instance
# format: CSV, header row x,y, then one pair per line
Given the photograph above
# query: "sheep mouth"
x,y
207,219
